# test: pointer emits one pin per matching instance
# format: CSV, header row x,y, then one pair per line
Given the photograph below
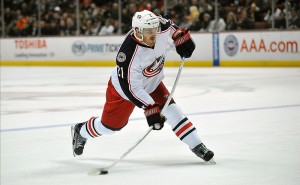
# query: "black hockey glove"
x,y
184,44
154,118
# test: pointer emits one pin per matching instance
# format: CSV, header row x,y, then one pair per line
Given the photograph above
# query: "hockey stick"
x,y
103,171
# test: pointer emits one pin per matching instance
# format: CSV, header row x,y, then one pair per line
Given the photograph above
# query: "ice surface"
x,y
250,118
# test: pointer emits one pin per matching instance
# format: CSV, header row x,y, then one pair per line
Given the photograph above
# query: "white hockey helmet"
x,y
145,19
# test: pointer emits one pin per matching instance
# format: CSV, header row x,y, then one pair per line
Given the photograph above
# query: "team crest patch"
x,y
155,68
121,57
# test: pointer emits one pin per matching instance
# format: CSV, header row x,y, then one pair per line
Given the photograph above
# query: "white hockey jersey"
x,y
139,68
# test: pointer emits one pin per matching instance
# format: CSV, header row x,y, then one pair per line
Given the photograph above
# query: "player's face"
x,y
149,35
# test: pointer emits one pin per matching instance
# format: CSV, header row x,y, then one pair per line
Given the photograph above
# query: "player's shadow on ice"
x,y
150,162
82,165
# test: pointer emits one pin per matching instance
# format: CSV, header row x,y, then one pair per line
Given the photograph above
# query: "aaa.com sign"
x,y
255,46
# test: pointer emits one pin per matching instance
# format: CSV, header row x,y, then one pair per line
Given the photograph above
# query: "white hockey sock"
x,y
182,127
94,128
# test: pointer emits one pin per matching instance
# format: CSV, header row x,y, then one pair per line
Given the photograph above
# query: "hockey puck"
x,y
103,172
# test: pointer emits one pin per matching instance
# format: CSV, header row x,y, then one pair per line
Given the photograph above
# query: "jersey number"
x,y
120,72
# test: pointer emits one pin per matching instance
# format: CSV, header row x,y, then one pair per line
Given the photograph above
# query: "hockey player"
x,y
137,81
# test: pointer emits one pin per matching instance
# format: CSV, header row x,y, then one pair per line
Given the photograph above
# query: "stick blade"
x,y
94,171
103,172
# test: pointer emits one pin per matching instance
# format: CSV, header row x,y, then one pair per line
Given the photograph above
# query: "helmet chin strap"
x,y
141,33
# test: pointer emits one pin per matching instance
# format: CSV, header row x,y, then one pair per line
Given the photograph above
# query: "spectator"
x,y
287,9
281,22
115,11
8,15
205,23
108,28
23,27
56,15
1,25
218,25
96,26
93,14
245,23
157,11
22,23
132,8
269,16
62,27
196,25
296,5
51,29
87,29
90,11
185,22
178,14
70,27
155,5
195,3
94,10
126,21
253,13
205,8
42,26
295,19
116,26
231,21
194,19
194,13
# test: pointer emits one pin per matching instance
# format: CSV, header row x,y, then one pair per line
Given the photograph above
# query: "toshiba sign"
x,y
30,43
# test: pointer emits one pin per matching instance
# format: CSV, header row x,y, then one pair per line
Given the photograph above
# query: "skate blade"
x,y
72,135
211,162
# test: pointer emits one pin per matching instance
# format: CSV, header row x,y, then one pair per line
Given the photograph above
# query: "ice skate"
x,y
78,141
202,152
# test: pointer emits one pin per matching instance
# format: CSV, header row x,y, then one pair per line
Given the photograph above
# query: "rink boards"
x,y
268,48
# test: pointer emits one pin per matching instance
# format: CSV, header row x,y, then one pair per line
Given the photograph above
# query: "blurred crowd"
x,y
101,17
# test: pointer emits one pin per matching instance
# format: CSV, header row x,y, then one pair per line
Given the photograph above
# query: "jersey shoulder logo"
x,y
155,67
121,57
